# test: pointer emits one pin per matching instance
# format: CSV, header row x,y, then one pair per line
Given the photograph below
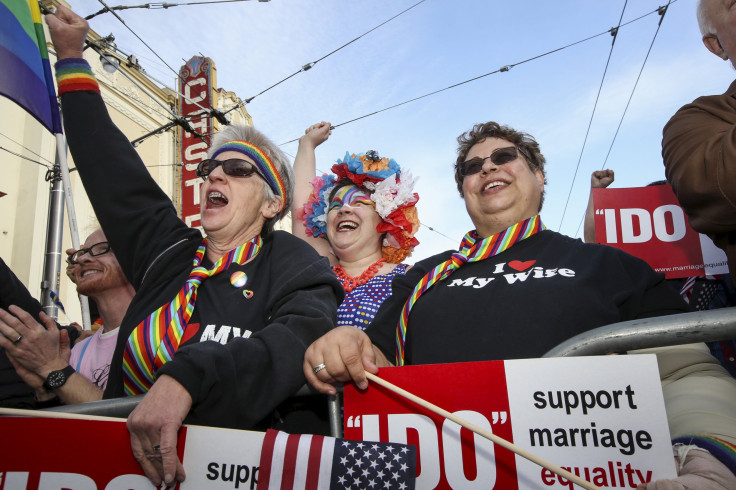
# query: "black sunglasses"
x,y
94,250
234,167
498,157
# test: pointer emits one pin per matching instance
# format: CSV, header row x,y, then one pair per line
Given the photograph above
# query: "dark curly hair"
x,y
491,129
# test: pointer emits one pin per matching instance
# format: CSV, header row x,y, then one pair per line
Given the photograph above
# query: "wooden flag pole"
x,y
484,433
18,412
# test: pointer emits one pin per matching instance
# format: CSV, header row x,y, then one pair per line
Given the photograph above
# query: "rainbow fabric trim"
x,y
471,250
75,75
156,339
723,451
264,164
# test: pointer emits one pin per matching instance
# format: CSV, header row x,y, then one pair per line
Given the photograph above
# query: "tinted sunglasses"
x,y
234,167
95,250
499,156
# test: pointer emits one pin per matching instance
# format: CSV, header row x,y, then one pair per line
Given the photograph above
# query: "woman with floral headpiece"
x,y
362,217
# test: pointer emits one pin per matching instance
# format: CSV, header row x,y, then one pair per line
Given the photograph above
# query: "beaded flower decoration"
x,y
390,189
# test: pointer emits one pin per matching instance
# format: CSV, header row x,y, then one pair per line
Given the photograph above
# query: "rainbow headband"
x,y
264,164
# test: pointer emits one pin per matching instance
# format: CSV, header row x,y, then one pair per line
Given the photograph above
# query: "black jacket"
x,y
295,293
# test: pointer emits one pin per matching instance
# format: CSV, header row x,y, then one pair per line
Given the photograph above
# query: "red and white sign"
x,y
55,454
648,222
601,418
195,83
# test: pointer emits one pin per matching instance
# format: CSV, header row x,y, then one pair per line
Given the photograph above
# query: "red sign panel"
x,y
648,222
195,83
448,456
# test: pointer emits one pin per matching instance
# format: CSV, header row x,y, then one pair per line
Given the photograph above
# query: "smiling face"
x,y
94,275
351,223
231,207
500,195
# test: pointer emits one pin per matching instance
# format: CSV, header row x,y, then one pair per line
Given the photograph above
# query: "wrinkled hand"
x,y
68,31
699,471
347,353
29,377
155,422
40,350
316,134
600,179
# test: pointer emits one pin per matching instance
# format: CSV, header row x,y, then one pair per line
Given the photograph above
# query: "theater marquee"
x,y
196,84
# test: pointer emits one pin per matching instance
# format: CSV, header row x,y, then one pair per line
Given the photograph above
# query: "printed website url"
x,y
689,267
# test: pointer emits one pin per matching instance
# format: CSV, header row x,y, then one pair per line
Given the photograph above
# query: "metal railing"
x,y
686,328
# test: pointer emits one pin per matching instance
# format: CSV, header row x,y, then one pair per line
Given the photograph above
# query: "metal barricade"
x,y
121,408
685,328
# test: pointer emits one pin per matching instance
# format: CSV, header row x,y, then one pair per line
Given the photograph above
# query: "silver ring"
x,y
319,368
157,448
20,337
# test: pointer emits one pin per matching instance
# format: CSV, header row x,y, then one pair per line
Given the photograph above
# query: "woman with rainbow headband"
x,y
362,217
219,324
515,289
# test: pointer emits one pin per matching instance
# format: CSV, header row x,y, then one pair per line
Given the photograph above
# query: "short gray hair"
x,y
704,11
278,157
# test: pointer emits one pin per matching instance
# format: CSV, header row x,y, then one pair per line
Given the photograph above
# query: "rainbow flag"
x,y
25,71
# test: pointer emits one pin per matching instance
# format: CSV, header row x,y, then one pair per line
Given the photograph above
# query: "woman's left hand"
x,y
153,427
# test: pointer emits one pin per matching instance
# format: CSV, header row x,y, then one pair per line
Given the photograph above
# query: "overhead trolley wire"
x,y
25,157
662,11
26,148
614,33
503,69
162,5
308,66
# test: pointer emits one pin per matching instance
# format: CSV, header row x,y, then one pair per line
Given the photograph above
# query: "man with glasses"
x,y
41,353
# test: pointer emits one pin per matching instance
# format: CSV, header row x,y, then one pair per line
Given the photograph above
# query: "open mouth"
x,y
90,272
494,184
347,226
216,199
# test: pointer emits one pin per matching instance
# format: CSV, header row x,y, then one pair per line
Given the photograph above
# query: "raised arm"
x,y
305,169
599,179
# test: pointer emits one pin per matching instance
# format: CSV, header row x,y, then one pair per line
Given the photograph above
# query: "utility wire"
x,y
500,70
25,157
662,11
26,148
138,37
614,33
163,5
310,65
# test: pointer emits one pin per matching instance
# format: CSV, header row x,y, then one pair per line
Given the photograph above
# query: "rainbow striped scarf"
x,y
155,340
472,249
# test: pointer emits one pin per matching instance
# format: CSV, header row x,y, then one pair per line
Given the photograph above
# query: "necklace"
x,y
349,283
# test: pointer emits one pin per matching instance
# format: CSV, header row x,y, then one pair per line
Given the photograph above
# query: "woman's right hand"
x,y
346,353
68,32
316,134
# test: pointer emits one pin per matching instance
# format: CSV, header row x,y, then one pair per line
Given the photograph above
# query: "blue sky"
x,y
434,45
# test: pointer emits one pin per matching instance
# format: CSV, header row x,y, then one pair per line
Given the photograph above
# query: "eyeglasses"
x,y
95,250
498,157
235,167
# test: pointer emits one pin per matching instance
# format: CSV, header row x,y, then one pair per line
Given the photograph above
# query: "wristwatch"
x,y
56,379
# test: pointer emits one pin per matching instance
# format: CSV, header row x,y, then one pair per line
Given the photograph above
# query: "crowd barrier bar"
x,y
644,333
685,328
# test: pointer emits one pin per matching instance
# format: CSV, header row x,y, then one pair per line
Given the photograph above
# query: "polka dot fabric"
x,y
360,305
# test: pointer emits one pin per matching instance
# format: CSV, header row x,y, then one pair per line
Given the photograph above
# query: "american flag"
x,y
293,461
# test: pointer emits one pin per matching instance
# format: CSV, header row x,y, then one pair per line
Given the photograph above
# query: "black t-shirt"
x,y
522,302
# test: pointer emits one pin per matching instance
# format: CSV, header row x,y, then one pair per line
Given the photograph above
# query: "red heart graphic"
x,y
521,266
189,332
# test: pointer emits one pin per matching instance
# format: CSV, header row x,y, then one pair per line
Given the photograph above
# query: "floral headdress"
x,y
390,189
